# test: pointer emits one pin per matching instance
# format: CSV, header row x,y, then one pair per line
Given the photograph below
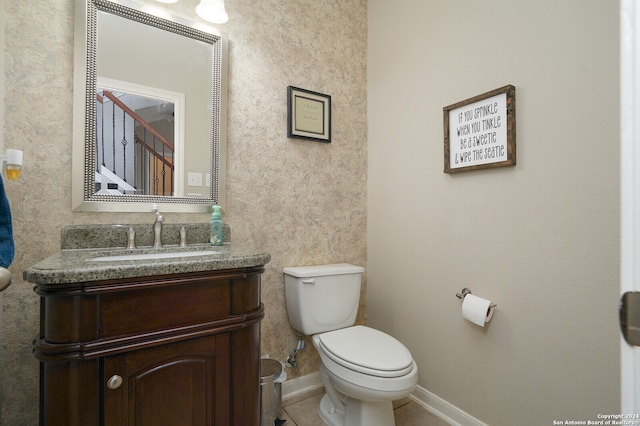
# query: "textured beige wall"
x,y
304,202
541,238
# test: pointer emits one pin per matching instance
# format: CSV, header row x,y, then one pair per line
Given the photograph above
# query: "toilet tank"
x,y
322,298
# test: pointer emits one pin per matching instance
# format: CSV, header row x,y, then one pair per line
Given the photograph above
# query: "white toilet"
x,y
363,369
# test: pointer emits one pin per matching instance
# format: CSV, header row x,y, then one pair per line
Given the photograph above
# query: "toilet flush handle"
x,y
309,281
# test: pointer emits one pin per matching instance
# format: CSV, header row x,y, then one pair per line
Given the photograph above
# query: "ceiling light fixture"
x,y
212,11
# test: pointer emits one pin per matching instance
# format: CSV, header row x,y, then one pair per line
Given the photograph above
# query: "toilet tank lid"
x,y
322,270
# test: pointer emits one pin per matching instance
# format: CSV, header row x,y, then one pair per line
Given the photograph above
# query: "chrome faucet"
x,y
157,230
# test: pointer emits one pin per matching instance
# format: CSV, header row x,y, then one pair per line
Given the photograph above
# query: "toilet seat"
x,y
367,350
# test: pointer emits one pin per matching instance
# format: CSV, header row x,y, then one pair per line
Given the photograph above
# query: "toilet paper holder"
x,y
466,291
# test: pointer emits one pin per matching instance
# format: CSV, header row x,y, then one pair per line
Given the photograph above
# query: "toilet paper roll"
x,y
476,309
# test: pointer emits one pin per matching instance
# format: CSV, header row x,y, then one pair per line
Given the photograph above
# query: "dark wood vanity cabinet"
x,y
173,350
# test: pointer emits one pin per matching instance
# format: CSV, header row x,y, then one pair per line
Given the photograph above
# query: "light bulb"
x,y
212,11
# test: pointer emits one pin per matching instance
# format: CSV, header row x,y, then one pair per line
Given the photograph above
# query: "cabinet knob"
x,y
114,382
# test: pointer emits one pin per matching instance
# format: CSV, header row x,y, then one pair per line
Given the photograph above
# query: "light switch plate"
x,y
195,179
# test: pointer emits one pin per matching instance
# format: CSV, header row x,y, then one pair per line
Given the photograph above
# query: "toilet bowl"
x,y
363,369
369,369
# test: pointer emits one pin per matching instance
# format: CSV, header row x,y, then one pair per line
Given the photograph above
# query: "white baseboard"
x,y
301,385
443,409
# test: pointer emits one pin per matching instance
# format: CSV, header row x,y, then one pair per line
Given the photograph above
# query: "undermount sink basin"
x,y
152,256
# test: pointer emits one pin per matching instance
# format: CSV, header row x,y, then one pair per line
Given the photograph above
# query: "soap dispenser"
x,y
216,234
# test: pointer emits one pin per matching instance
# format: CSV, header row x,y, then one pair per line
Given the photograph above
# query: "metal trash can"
x,y
271,377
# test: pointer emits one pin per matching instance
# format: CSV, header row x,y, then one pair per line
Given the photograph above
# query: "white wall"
x,y
540,238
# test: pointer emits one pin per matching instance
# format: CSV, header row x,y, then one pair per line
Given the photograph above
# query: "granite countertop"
x,y
74,266
79,243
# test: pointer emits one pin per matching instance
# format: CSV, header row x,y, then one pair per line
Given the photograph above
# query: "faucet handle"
x,y
157,230
131,235
183,236
131,238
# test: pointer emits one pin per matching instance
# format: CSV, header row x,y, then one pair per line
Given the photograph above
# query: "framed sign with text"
x,y
480,132
309,115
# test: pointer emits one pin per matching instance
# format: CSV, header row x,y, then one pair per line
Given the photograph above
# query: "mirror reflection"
x,y
135,143
153,128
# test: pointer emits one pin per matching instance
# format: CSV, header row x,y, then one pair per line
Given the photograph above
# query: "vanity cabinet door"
x,y
179,384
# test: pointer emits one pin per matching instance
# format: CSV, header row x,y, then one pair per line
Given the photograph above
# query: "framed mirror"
x,y
149,110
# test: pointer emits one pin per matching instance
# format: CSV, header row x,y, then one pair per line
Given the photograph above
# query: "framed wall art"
x,y
480,132
309,115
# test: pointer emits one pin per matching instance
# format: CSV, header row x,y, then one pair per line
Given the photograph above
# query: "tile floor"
x,y
304,412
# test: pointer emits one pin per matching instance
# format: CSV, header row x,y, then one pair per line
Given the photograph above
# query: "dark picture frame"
x,y
480,132
308,115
